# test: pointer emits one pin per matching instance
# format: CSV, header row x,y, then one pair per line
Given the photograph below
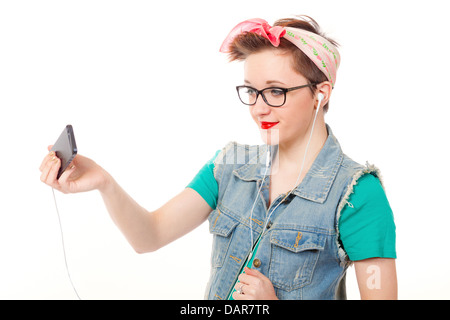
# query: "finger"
x,y
245,278
46,166
66,175
253,287
247,270
247,289
249,279
47,158
53,172
239,286
237,296
252,277
50,172
253,272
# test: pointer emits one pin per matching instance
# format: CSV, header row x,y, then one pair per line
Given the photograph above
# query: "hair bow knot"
x,y
258,26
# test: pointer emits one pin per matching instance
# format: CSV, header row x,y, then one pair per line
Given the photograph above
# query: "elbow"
x,y
142,249
146,240
138,251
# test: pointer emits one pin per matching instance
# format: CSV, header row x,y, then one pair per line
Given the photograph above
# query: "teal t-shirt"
x,y
366,225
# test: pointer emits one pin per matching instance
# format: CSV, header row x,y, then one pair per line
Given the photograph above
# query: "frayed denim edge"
x,y
369,168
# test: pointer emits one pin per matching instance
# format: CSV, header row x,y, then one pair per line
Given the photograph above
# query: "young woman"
x,y
288,217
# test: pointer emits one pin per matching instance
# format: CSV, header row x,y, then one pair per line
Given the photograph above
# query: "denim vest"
x,y
299,250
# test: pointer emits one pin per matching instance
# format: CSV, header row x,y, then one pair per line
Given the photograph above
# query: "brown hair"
x,y
248,43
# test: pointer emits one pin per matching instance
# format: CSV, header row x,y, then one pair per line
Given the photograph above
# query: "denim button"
x,y
256,263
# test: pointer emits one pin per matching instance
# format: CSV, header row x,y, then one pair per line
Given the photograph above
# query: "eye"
x,y
250,91
276,92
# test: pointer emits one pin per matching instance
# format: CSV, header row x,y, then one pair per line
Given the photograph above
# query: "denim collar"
x,y
318,180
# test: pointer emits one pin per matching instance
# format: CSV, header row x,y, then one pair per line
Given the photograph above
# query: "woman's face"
x,y
289,123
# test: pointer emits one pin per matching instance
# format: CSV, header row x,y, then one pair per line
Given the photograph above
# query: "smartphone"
x,y
65,148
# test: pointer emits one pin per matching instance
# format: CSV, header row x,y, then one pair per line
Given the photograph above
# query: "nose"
x,y
261,108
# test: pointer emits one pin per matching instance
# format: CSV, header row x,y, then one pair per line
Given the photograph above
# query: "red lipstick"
x,y
268,125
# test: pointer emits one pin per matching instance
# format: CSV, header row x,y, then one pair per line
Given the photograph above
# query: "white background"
x,y
151,99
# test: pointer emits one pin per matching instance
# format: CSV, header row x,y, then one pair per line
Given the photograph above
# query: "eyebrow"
x,y
268,82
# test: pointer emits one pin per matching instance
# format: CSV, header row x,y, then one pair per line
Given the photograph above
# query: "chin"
x,y
270,137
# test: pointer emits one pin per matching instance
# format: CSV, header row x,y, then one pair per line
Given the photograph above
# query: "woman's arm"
x,y
145,231
377,278
148,231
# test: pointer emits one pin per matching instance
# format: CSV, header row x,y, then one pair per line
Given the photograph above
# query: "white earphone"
x,y
320,98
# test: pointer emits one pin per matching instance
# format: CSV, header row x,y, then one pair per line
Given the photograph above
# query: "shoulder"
x,y
370,184
367,227
368,191
355,171
350,166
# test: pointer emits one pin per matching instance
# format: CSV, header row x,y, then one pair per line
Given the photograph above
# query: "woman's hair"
x,y
248,43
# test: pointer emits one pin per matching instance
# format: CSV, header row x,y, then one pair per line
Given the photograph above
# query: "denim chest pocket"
x,y
221,226
294,256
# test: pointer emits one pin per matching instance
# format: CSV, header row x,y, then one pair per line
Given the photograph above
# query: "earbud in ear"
x,y
320,97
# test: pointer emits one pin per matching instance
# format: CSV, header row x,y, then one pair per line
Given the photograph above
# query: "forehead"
x,y
271,65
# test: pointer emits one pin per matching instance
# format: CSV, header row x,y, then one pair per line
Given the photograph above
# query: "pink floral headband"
x,y
323,53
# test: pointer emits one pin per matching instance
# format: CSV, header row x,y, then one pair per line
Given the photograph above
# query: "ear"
x,y
324,88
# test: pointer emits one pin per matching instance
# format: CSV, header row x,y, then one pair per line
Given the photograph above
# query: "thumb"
x,y
252,272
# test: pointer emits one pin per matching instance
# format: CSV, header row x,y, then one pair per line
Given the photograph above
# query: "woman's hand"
x,y
254,286
82,175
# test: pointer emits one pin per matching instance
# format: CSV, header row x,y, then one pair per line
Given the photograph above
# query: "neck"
x,y
291,154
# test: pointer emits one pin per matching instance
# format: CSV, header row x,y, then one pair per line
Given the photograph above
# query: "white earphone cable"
x,y
268,159
295,185
307,145
63,245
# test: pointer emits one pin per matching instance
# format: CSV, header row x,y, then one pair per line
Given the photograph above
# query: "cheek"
x,y
297,118
300,109
251,111
253,114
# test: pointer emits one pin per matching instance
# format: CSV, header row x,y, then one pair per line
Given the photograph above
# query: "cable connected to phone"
x,y
63,245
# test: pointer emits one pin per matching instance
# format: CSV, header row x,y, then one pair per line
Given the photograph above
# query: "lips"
x,y
267,125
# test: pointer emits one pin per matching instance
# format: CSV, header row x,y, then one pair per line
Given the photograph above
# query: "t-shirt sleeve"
x,y
366,224
205,183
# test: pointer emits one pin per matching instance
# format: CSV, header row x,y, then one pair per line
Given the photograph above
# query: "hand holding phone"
x,y
84,175
65,149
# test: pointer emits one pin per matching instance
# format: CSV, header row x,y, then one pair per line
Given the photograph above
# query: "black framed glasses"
x,y
273,96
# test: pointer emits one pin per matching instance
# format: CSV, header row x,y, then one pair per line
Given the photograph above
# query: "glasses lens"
x,y
247,95
274,96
